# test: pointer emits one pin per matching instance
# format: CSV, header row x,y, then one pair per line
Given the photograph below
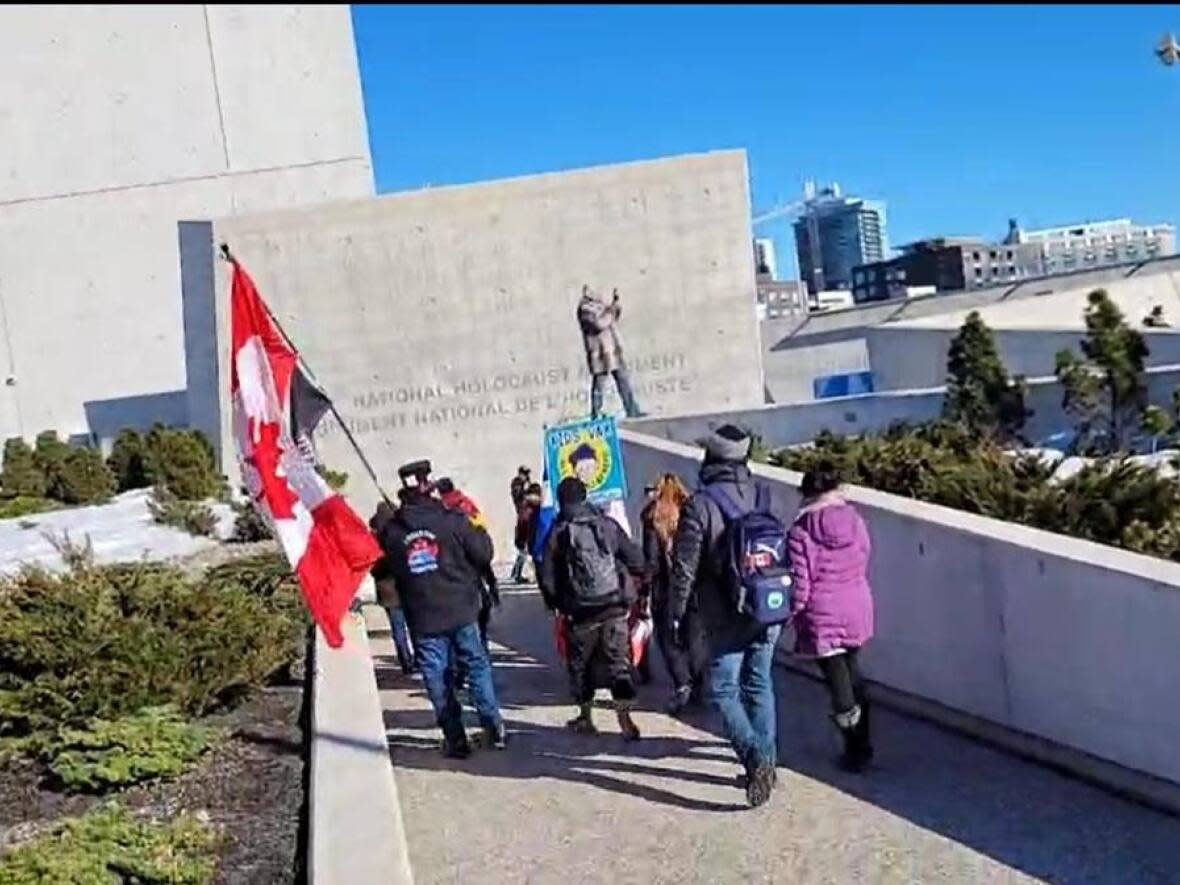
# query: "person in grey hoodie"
x,y
741,650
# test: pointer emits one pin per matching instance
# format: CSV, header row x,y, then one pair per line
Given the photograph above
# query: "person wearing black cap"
x,y
581,577
742,650
437,558
520,489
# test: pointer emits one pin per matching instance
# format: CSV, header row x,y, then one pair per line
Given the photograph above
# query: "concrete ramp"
x,y
561,808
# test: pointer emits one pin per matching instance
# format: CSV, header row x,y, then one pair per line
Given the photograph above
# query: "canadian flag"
x,y
275,403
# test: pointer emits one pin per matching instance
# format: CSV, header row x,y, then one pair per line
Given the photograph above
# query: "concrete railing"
x,y
355,830
786,424
1055,647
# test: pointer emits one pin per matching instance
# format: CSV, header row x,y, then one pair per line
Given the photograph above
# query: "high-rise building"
x,y
1095,244
764,260
836,234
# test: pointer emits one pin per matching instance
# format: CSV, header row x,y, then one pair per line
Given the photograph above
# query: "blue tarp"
x,y
847,384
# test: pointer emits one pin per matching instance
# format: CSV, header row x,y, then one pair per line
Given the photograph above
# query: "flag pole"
x,y
228,256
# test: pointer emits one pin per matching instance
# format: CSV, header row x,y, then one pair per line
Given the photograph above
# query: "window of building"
x,y
1009,254
993,255
978,272
975,255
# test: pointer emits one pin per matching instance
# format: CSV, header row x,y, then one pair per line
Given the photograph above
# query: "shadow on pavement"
x,y
1020,814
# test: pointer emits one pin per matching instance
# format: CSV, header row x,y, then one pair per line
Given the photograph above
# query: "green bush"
x,y
1111,501
150,743
22,476
335,479
182,461
108,845
249,524
50,455
194,517
129,461
84,478
265,574
12,508
105,641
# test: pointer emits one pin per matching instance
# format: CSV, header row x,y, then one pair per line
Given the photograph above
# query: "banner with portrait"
x,y
588,449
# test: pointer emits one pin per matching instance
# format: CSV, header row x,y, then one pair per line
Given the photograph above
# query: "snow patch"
x,y
121,531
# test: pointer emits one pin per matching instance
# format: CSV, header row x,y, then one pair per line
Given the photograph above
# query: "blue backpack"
x,y
754,569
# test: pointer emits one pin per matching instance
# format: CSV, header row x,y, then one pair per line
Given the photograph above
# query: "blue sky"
x,y
958,117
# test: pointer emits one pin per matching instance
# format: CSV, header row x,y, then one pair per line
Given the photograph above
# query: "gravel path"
x,y
560,808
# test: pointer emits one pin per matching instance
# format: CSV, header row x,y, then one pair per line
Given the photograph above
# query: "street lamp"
x,y
1169,50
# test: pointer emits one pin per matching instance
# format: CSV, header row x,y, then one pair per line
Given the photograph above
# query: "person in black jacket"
x,y
682,644
437,557
581,577
742,650
386,587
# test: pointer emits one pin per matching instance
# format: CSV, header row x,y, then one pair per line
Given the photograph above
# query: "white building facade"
x,y
1095,244
118,122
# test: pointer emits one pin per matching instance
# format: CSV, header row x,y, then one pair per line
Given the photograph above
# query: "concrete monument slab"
x,y
442,321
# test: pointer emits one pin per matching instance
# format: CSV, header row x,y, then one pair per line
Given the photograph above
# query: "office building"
x,y
836,234
946,264
764,260
1097,244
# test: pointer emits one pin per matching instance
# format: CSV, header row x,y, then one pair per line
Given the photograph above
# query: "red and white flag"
x,y
274,403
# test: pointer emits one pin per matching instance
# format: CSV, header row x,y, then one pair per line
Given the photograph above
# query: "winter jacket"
x,y
526,517
554,576
539,530
437,558
830,600
457,501
385,584
657,556
519,488
600,334
698,557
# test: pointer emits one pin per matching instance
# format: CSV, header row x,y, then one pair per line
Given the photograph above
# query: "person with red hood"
x,y
454,499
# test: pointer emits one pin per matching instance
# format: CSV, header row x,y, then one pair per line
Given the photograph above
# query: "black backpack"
x,y
755,570
593,577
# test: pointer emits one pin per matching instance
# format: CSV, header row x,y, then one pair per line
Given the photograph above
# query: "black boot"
x,y
849,725
457,748
864,742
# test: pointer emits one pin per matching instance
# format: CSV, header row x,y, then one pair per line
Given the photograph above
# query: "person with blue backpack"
x,y
729,556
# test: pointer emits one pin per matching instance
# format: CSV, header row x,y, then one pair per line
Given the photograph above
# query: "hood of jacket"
x,y
830,521
737,472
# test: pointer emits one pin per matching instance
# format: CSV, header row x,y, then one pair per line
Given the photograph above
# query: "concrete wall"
x,y
443,323
794,423
907,357
117,122
356,835
796,351
1042,634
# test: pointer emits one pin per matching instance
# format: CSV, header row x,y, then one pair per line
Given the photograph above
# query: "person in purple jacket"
x,y
832,606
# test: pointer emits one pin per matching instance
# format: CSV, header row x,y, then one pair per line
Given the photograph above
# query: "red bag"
x,y
640,630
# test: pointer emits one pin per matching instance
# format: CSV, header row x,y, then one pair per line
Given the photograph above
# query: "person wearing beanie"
x,y
581,578
741,649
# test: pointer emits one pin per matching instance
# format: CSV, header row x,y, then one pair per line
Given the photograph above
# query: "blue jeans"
x,y
742,691
623,383
435,655
401,638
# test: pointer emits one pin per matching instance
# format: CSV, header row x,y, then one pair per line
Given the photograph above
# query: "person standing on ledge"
x,y
438,557
599,322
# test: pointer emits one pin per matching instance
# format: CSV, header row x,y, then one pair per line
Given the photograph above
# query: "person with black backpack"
x,y
581,577
730,557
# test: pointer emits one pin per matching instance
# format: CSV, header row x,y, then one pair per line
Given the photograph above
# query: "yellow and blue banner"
x,y
590,450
